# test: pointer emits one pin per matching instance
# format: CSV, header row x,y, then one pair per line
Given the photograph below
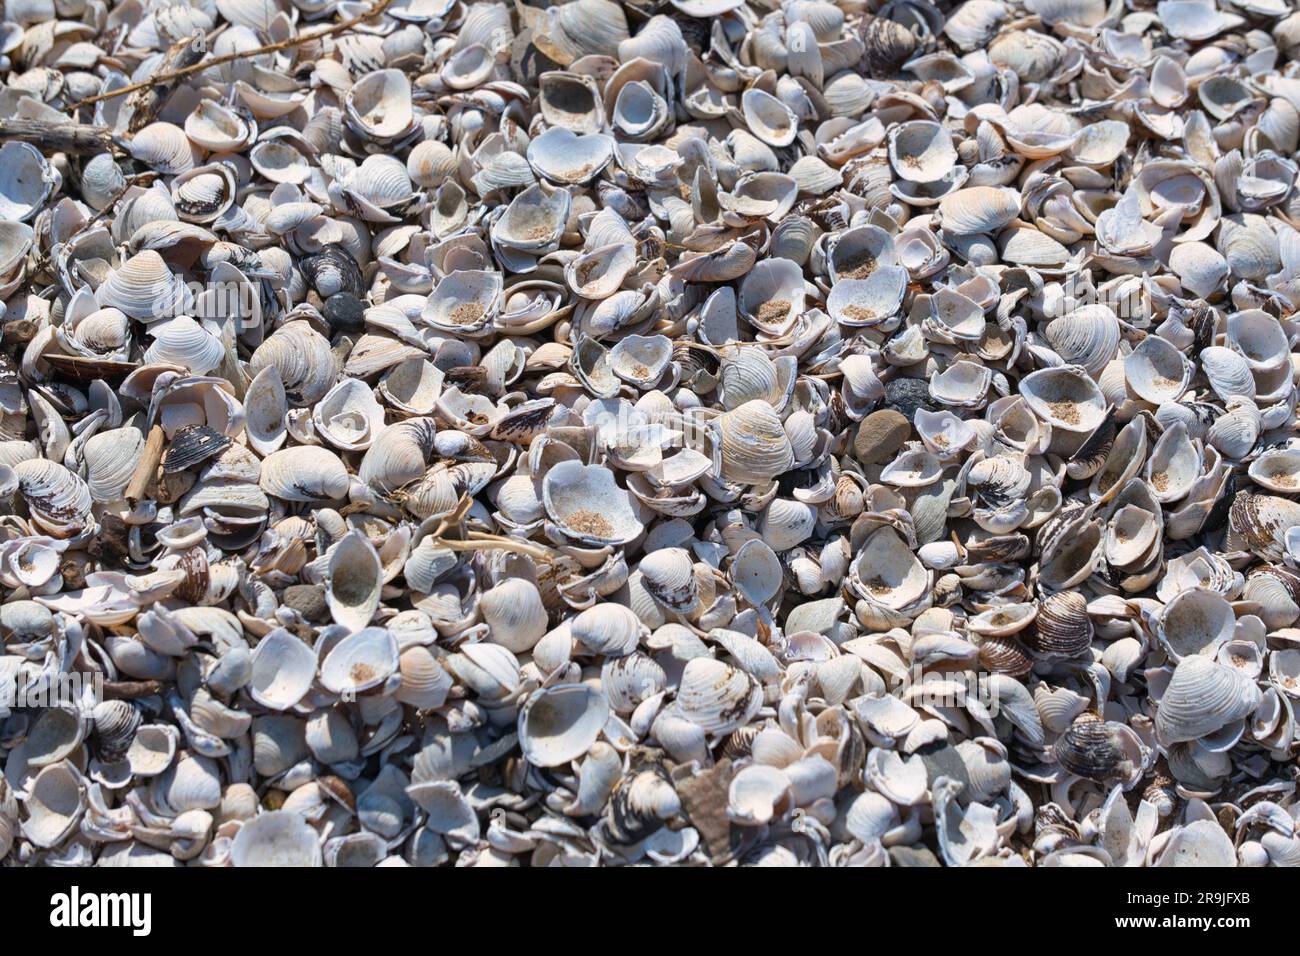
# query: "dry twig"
x,y
168,77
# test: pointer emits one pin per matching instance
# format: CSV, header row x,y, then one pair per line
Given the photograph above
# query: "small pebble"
x,y
308,600
345,312
906,395
880,436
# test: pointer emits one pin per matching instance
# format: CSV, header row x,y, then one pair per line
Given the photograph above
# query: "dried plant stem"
x,y
168,77
479,541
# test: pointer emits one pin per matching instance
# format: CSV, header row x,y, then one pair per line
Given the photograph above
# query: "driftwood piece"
x,y
147,102
147,467
59,137
131,689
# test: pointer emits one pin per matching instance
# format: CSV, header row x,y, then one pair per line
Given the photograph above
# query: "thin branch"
x,y
344,27
484,542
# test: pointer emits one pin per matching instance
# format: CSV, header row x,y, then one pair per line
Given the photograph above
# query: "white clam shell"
x,y
304,473
354,577
561,723
379,105
283,670
55,804
715,696
921,151
1156,371
1065,397
276,838
515,614
1202,697
349,417
768,118
587,505
361,661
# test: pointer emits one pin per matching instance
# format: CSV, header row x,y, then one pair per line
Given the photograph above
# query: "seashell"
x,y
59,501
1258,523
265,408
353,578
191,445
870,301
771,120
111,457
1062,627
1258,338
304,473
514,612
600,273
276,838
283,670
330,271
571,101
1026,246
668,575
887,573
609,629
302,357
164,148
921,151
716,697
978,209
1004,655
560,724
962,384
349,417
425,683
758,794
115,723
587,505
1227,373
184,342
750,444
1277,470
152,749
379,105
562,156
102,181
1274,590
1202,699
1107,752
1065,397
1196,621
1088,337
1100,144
55,804
280,161
363,660
1235,433
53,736
143,288
219,129
1199,267
202,194
1156,371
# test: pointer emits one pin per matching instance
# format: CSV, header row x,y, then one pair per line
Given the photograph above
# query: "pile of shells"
x,y
701,432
